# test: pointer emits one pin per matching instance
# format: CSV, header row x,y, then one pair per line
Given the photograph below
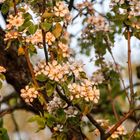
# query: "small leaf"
x,y
50,119
27,16
61,116
41,78
25,25
47,14
2,77
3,134
5,8
32,28
32,50
57,30
50,88
46,26
8,44
0,84
41,121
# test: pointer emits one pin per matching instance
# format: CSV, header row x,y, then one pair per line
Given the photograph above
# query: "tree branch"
x,y
130,69
111,131
30,67
94,122
134,131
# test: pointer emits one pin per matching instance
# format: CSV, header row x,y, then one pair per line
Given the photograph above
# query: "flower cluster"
x,y
85,4
54,104
11,35
57,72
53,70
76,67
119,132
2,69
15,21
29,94
98,22
61,10
65,51
71,111
37,38
134,6
105,124
86,90
98,77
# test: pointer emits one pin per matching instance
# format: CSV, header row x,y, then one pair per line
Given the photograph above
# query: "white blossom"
x,y
29,94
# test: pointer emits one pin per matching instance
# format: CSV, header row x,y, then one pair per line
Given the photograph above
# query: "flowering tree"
x,y
57,90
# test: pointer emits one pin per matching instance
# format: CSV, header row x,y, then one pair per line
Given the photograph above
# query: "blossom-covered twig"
x,y
109,133
89,116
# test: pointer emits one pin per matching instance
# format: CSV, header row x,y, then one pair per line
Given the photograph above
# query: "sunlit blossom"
x,y
29,94
61,9
50,38
15,21
2,69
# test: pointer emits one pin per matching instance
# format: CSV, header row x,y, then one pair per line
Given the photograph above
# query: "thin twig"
x,y
16,125
44,33
111,131
94,122
134,131
130,69
114,110
30,67
15,8
109,44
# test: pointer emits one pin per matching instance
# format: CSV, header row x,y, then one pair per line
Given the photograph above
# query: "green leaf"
x,y
62,136
0,84
3,134
25,25
8,44
41,121
5,8
61,116
2,77
41,78
50,119
32,50
27,16
50,88
13,102
32,28
46,26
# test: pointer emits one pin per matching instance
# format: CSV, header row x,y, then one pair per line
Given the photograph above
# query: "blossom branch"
x,y
109,133
134,130
94,122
